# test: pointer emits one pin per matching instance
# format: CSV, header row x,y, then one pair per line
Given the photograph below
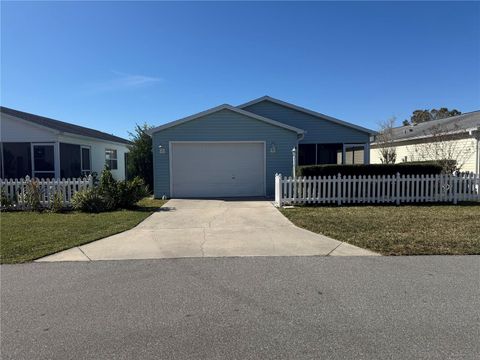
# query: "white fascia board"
x,y
219,108
307,111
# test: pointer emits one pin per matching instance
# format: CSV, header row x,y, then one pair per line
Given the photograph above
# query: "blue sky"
x,y
109,65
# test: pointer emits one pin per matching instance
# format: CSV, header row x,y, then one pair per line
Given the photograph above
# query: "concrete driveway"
x,y
210,228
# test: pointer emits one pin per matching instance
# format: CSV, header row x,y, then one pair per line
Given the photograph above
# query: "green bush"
x,y
5,202
109,190
110,194
130,192
408,168
89,200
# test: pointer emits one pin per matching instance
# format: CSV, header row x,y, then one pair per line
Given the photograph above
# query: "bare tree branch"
x,y
386,147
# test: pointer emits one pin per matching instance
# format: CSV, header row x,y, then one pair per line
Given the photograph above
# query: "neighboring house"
x,y
456,137
45,148
230,151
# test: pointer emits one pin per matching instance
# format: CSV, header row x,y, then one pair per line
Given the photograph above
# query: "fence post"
x,y
455,186
397,185
278,190
339,189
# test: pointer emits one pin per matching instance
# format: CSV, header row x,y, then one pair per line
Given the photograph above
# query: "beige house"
x,y
456,138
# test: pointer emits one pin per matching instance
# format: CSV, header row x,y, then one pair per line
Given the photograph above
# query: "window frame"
x,y
107,161
85,172
347,146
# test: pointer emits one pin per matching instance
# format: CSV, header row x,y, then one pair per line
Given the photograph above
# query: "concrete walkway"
x,y
210,228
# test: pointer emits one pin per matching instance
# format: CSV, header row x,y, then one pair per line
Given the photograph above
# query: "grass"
x,y
390,230
26,236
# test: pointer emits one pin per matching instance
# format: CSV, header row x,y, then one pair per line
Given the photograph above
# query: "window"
x,y
313,154
43,161
354,154
86,161
69,160
111,159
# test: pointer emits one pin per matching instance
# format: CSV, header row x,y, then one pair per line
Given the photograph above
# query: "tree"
x,y
385,141
421,116
444,148
140,157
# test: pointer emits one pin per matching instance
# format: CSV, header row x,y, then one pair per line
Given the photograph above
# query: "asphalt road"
x,y
243,308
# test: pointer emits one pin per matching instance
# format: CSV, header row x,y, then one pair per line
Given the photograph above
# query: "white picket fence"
x,y
15,189
376,189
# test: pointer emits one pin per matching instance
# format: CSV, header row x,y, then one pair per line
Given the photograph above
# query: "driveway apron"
x,y
210,228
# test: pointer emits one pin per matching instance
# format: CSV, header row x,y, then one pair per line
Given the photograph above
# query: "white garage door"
x,y
217,169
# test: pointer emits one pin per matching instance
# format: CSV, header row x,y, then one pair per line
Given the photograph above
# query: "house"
x,y
45,148
456,138
235,151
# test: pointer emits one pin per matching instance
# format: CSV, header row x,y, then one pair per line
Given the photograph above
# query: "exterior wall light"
x,y
162,149
273,148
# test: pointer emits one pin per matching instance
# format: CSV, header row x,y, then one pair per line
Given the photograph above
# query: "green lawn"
x,y
403,230
26,236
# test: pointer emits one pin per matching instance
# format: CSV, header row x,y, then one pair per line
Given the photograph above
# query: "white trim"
x,y
219,108
81,158
170,143
307,111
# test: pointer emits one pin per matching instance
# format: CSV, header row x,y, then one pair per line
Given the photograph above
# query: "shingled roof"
x,y
454,124
62,126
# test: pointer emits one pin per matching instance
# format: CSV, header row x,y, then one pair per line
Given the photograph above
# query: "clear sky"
x,y
109,65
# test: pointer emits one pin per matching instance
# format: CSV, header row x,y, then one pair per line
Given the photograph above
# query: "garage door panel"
x,y
217,169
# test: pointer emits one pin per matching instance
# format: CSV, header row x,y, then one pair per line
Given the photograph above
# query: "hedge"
x,y
424,168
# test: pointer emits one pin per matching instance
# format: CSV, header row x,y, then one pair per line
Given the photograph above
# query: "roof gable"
x,y
306,111
62,126
220,108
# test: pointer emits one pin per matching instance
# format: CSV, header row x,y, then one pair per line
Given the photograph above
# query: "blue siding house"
x,y
230,151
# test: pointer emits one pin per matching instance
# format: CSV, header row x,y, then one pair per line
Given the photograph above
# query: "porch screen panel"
x,y
70,166
17,160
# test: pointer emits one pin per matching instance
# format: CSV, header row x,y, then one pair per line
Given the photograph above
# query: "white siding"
x,y
97,153
17,130
411,153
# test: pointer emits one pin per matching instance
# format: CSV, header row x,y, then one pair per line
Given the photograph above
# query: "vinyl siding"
x,y
225,125
317,130
17,130
467,147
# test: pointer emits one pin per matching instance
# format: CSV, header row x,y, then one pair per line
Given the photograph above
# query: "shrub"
x,y
130,192
5,202
425,168
109,190
89,200
57,201
110,194
33,193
